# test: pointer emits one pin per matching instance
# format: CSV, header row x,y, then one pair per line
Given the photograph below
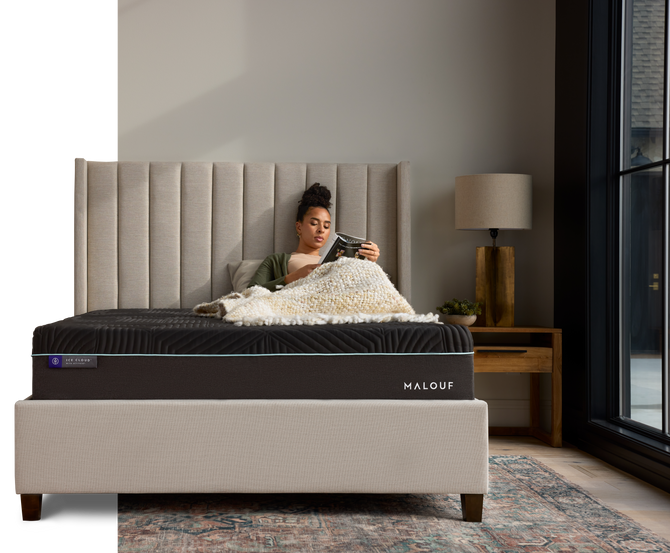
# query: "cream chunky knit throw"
x,y
346,291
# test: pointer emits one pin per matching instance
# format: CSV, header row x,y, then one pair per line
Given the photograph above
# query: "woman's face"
x,y
314,229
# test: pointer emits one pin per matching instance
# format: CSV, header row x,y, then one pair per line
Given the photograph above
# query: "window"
x,y
643,177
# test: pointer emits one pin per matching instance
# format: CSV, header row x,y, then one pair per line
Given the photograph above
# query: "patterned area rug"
x,y
529,508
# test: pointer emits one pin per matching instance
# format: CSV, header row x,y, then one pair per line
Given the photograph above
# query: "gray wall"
x,y
456,87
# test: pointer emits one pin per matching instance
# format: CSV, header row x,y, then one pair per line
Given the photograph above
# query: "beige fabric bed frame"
x,y
161,234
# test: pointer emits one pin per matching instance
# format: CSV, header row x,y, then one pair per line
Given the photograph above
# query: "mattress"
x,y
174,354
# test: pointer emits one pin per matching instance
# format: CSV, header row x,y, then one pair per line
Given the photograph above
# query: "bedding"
x,y
345,291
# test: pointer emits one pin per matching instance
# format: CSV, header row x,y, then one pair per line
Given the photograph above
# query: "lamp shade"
x,y
494,201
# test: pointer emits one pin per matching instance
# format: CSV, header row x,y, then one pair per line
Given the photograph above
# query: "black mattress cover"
x,y
175,354
182,332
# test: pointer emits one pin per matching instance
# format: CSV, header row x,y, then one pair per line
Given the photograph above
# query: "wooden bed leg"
x,y
31,506
472,505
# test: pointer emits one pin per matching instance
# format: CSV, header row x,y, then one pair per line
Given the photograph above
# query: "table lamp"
x,y
494,202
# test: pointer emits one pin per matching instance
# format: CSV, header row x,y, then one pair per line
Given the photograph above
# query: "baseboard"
x,y
649,464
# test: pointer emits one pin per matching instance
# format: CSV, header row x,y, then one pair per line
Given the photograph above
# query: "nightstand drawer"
x,y
522,359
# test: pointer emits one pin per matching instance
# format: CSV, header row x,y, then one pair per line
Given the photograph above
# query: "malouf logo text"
x,y
428,385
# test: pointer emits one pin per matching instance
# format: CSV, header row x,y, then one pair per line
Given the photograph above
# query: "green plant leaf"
x,y
460,307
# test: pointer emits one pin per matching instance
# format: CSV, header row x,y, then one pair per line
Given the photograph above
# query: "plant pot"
x,y
465,320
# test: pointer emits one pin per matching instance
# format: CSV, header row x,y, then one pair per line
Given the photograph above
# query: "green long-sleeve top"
x,y
272,272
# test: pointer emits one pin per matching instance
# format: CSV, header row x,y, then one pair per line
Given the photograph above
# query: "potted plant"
x,y
460,312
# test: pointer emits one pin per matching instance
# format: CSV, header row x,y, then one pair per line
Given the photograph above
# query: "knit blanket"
x,y
348,290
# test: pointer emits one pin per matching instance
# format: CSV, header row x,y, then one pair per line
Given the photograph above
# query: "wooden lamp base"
x,y
495,285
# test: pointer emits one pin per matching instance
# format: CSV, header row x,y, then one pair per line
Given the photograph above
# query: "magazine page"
x,y
342,245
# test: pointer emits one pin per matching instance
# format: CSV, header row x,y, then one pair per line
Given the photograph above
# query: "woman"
x,y
313,228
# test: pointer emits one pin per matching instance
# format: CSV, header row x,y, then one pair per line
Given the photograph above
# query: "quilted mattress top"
x,y
181,332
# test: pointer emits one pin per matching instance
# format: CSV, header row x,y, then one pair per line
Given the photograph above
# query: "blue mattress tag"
x,y
73,361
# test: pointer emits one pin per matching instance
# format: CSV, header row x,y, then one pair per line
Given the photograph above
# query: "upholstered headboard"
x,y
161,234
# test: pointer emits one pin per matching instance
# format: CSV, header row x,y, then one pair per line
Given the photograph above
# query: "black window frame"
x,y
586,239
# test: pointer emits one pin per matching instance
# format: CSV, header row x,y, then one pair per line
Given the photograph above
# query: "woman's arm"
x,y
300,273
271,272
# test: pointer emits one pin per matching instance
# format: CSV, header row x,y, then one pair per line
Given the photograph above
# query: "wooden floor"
x,y
645,504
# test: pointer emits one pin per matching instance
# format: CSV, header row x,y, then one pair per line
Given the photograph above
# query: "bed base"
x,y
252,446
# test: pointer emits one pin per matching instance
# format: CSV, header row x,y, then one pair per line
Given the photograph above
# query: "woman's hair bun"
x,y
315,196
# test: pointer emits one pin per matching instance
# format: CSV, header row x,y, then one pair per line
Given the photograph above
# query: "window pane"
x,y
644,61
643,227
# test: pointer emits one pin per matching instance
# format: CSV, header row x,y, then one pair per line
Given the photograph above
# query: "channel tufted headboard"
x,y
161,234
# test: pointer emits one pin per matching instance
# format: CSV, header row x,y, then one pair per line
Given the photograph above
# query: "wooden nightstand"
x,y
540,352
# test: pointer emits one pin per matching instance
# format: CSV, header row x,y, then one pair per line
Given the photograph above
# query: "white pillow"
x,y
242,272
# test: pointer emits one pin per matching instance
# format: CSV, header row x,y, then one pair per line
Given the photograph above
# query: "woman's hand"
x,y
370,250
300,273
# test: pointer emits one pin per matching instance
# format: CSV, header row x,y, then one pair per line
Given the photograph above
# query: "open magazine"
x,y
342,245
